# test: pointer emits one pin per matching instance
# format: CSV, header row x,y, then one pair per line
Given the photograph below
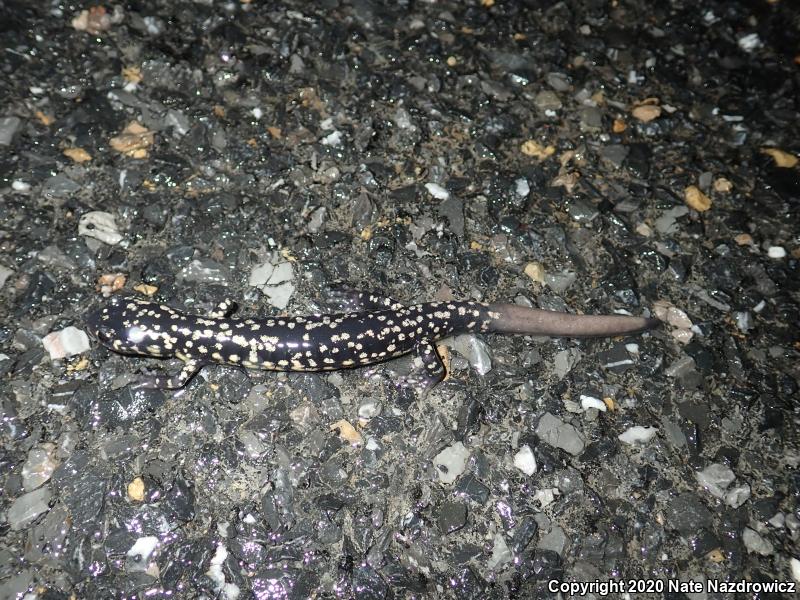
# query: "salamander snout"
x,y
106,323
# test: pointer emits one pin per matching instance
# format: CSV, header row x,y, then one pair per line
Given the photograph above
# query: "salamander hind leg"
x,y
344,298
175,382
423,378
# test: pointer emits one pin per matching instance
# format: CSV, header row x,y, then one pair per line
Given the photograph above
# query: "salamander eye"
x,y
105,334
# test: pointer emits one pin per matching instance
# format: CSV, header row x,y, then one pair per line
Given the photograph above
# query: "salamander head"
x,y
125,325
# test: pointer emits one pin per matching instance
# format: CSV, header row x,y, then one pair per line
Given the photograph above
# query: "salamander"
x,y
380,331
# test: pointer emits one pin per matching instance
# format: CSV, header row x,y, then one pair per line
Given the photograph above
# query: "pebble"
x,y
637,435
501,554
646,112
452,209
556,433
9,126
715,479
782,159
564,360
525,461
67,342
686,513
535,272
743,320
437,191
683,336
475,350
696,199
452,516
5,273
722,185
136,489
100,226
347,432
134,141
588,402
369,409
78,155
28,507
451,462
615,154
755,543
750,42
205,270
591,119
560,282
226,590
38,466
673,433
274,278
140,554
794,568
558,81
666,223
664,311
537,150
776,252
554,540
547,101
522,188
332,139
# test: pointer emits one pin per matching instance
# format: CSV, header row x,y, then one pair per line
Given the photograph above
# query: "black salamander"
x,y
384,330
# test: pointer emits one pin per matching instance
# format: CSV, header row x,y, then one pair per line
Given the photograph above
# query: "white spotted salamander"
x,y
381,330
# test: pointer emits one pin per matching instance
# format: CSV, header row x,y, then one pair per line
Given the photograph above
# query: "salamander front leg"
x,y
223,309
177,381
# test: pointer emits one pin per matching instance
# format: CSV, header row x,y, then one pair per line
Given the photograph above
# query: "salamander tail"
x,y
512,318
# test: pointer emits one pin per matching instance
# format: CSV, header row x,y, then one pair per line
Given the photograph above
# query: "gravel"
x,y
587,157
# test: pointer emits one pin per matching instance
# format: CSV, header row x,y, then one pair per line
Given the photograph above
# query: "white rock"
x,y
369,409
500,552
755,543
227,591
522,187
546,496
67,342
5,273
684,336
588,402
525,461
141,552
794,568
475,350
750,42
715,479
332,139
678,318
638,434
38,467
450,462
402,119
437,191
100,226
737,495
274,278
776,252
